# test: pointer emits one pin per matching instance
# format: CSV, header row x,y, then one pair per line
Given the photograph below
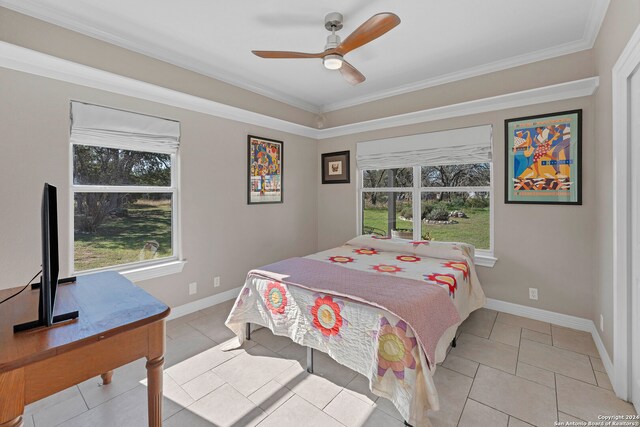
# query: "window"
x,y
387,196
456,203
125,188
446,183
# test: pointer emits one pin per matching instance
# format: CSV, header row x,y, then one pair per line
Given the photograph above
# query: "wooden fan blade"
x,y
376,26
275,54
350,74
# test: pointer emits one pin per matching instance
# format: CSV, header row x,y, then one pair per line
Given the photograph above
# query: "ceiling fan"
x,y
335,50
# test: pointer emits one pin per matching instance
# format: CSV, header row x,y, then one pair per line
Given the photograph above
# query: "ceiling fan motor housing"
x,y
333,41
333,21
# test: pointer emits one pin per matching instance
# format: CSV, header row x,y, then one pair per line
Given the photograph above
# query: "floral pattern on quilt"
x,y
276,298
366,251
327,316
395,349
460,266
446,280
386,268
408,258
341,259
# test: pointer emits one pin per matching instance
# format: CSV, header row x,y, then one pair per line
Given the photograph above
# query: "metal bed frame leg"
x,y
248,333
310,360
454,342
407,424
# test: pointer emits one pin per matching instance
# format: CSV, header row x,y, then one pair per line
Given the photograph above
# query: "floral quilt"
x,y
368,339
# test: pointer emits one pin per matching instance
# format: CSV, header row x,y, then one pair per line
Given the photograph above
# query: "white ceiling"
x,y
438,40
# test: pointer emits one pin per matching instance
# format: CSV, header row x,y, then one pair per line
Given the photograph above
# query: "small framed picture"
x,y
335,168
265,168
543,156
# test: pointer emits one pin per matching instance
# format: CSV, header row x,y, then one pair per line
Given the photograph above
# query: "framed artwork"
x,y
265,165
335,168
543,159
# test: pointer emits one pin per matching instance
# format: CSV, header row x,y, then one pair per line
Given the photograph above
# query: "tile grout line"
x,y
496,409
323,409
268,415
473,380
584,382
518,353
564,375
463,407
85,400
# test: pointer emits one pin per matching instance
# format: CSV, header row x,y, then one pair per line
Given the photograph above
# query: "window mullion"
x,y
417,204
360,203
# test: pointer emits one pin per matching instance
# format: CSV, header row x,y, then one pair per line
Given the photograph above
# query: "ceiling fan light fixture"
x,y
332,62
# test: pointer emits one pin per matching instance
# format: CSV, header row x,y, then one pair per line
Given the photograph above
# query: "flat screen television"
x,y
50,265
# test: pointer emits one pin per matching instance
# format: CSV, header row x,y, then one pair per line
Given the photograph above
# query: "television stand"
x,y
64,281
41,322
60,318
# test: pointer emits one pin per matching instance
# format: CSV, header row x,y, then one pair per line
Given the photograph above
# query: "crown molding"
x,y
44,13
557,92
32,62
32,8
594,21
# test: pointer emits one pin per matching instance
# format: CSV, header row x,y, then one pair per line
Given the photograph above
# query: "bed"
x,y
386,308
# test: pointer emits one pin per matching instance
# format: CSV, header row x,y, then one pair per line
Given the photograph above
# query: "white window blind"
x,y
457,146
107,127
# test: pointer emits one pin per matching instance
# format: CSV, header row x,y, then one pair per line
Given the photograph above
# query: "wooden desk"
x,y
118,323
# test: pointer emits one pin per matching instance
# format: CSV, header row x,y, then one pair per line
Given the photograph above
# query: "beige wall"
x,y
221,234
546,247
38,35
621,21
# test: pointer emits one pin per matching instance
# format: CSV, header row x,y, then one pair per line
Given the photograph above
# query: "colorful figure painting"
x,y
543,159
265,170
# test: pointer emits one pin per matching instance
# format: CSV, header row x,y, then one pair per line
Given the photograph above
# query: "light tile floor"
x,y
507,371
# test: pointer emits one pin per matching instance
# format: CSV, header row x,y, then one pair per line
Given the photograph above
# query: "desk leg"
x,y
155,362
12,401
154,391
106,377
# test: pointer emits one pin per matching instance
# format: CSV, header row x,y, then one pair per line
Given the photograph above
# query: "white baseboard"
x,y
559,319
192,307
606,360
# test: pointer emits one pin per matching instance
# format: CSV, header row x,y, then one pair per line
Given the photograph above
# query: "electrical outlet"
x,y
216,281
601,323
193,288
533,293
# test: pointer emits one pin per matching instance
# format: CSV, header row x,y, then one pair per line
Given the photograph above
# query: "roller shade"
x,y
449,147
108,127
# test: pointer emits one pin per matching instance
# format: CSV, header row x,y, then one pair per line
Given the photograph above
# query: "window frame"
x,y
483,257
138,270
